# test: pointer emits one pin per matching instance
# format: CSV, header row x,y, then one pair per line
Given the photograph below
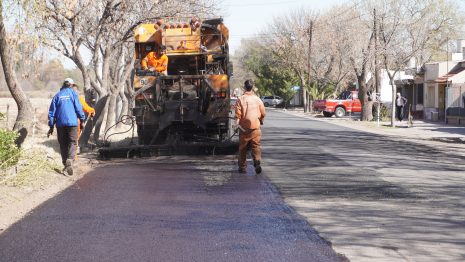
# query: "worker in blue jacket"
x,y
64,112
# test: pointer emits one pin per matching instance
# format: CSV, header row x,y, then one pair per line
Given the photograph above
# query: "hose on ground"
x,y
125,119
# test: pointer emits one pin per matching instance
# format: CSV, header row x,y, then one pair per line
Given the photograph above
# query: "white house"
x,y
385,91
439,77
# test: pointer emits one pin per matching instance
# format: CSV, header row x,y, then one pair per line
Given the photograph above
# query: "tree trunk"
x,y
101,119
111,115
25,118
124,108
367,105
304,92
393,104
131,101
95,122
308,102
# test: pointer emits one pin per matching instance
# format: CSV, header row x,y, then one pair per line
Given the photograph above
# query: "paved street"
x,y
375,198
372,197
166,209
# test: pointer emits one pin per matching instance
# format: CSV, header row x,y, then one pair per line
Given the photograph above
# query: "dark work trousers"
x,y
400,112
67,136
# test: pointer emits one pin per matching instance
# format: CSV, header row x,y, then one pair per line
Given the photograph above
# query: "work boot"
x,y
258,168
68,167
242,170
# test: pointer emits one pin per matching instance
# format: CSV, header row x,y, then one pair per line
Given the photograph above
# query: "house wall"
x,y
430,100
438,96
386,88
431,72
445,67
458,78
455,95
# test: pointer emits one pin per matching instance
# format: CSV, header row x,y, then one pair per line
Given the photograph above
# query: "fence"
x,y
455,104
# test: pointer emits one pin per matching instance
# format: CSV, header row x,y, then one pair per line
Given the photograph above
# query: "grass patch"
x,y
9,151
33,165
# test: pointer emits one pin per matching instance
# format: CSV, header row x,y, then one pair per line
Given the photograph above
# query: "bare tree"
x,y
105,28
414,30
312,46
24,119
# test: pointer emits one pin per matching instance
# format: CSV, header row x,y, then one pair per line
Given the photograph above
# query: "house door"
x,y
442,102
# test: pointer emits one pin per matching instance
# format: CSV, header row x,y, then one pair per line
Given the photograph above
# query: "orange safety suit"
x,y
88,110
250,112
151,60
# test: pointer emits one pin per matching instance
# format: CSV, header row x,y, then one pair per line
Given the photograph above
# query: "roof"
x,y
459,68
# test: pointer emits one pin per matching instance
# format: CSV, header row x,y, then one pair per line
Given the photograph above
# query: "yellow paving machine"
x,y
185,108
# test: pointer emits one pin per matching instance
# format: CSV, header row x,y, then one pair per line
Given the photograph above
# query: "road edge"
x,y
13,213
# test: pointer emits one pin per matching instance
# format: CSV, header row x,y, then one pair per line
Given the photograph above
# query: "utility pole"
x,y
309,65
375,32
377,78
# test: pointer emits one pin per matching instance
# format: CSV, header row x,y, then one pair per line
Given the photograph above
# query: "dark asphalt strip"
x,y
166,210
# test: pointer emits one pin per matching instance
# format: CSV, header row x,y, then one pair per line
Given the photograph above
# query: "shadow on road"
x,y
382,197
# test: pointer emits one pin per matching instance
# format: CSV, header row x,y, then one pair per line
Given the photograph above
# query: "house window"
x,y
419,94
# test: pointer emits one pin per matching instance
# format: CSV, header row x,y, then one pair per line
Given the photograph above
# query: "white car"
x,y
272,100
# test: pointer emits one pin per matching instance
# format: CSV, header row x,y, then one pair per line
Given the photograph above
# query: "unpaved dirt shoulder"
x,y
37,177
17,201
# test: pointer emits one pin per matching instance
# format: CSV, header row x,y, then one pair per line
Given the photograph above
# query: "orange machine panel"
x,y
181,40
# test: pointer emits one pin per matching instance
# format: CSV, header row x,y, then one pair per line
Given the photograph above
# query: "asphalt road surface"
x,y
166,209
375,198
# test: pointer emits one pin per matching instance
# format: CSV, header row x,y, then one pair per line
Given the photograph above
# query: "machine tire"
x,y
340,112
327,114
266,104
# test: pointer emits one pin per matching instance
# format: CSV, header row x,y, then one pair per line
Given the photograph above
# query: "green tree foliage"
x,y
270,77
9,151
317,92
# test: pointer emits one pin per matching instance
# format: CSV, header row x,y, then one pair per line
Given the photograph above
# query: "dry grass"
x,y
34,166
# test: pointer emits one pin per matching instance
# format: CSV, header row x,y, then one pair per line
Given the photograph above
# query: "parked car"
x,y
272,100
347,101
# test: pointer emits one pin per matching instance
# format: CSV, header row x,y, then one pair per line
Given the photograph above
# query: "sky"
x,y
244,18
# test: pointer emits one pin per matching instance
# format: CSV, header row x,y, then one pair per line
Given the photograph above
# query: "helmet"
x,y
69,80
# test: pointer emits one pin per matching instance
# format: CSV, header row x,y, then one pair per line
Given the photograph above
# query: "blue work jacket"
x,y
65,109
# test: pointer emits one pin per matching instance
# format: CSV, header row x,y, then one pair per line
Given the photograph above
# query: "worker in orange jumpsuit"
x,y
156,62
250,113
88,111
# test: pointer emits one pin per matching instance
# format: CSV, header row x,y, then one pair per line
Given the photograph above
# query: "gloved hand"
x,y
50,132
82,125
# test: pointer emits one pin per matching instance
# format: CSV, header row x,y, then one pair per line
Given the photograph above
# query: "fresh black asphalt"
x,y
166,209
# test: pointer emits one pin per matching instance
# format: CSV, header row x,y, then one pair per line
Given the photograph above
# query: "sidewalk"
x,y
421,131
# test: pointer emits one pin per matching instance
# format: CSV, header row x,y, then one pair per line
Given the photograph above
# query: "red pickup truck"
x,y
346,102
